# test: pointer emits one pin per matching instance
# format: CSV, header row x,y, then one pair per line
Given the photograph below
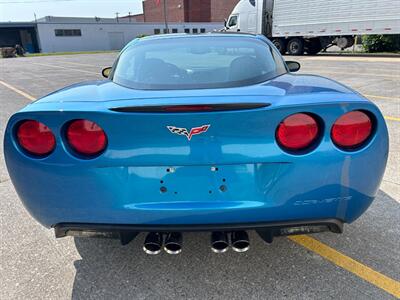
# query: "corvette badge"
x,y
188,133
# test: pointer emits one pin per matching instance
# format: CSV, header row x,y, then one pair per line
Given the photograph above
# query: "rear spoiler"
x,y
190,108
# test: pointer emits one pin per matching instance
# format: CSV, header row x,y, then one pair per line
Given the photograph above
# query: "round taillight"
x,y
351,130
86,137
297,132
35,138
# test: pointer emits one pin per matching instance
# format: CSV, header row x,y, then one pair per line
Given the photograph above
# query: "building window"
x,y
202,30
174,30
187,30
157,31
68,32
195,30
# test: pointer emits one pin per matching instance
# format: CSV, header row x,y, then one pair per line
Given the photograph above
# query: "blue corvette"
x,y
198,133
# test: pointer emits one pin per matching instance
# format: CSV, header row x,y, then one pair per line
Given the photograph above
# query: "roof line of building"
x,y
100,23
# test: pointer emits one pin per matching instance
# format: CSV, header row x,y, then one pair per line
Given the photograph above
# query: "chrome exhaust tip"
x,y
219,242
173,243
153,243
240,241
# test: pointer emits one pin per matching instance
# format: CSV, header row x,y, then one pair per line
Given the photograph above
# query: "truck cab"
x,y
244,17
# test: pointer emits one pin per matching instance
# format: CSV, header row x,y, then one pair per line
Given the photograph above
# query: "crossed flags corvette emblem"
x,y
188,133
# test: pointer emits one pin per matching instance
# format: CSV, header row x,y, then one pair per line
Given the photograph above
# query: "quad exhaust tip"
x,y
173,243
240,241
153,243
219,242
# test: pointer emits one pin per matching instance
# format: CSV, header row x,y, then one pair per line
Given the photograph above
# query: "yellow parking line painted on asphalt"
x,y
79,64
392,118
71,69
381,97
349,69
394,77
381,281
385,98
357,58
22,93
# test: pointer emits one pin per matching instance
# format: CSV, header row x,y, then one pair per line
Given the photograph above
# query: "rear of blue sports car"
x,y
198,133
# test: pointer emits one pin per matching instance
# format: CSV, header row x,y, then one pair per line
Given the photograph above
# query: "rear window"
x,y
195,63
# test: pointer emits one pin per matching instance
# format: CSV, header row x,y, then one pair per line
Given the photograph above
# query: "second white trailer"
x,y
311,25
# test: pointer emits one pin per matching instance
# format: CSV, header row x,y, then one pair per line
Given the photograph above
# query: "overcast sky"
x,y
23,10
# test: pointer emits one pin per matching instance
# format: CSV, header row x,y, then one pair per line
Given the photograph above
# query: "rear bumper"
x,y
252,194
267,231
235,194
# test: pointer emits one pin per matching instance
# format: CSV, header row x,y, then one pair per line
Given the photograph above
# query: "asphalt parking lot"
x,y
362,263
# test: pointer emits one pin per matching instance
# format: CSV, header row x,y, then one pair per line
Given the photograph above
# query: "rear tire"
x,y
295,46
280,45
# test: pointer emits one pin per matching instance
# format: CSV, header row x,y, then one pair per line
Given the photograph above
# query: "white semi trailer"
x,y
298,26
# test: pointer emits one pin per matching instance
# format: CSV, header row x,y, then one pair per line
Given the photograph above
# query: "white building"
x,y
64,34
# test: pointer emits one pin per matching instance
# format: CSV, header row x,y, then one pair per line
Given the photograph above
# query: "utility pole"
x,y
129,14
116,14
165,16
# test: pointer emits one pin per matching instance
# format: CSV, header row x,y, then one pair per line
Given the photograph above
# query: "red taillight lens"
x,y
351,130
36,138
86,137
297,132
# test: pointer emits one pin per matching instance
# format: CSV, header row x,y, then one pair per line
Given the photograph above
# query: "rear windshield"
x,y
197,62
